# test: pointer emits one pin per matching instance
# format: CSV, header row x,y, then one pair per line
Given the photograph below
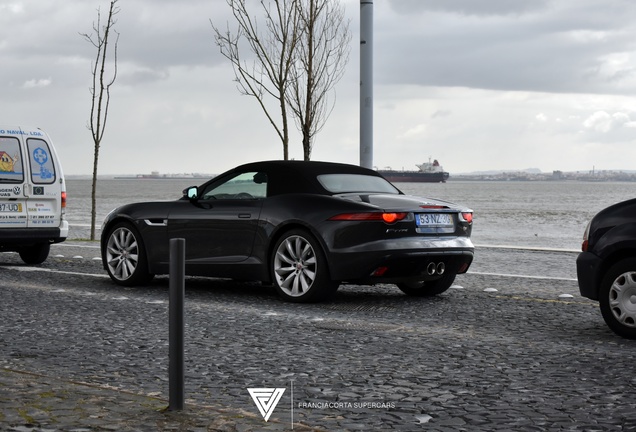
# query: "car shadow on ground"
x,y
347,298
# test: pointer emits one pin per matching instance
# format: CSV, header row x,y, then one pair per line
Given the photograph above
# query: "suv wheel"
x,y
618,298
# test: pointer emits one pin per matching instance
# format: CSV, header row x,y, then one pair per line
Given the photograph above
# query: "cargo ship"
x,y
429,172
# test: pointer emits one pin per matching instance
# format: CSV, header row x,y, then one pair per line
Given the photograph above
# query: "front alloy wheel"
x,y
125,258
300,269
618,298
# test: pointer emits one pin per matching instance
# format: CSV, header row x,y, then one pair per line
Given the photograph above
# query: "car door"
x,y
220,225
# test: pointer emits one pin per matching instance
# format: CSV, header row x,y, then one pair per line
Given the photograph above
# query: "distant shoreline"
x,y
601,176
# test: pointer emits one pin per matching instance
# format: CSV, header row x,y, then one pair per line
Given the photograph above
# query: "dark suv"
x,y
606,268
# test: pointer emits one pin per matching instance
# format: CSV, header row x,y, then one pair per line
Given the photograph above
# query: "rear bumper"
x,y
588,267
13,239
400,265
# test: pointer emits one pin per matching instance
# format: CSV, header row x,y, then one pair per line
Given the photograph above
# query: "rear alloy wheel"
x,y
300,270
617,298
35,254
427,288
125,256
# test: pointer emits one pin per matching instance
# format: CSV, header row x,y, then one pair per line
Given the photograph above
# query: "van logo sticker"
x,y
7,162
8,192
38,190
41,157
16,190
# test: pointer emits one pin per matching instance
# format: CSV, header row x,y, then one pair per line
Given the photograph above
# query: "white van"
x,y
32,194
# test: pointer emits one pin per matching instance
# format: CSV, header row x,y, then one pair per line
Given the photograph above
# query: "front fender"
x,y
620,238
149,219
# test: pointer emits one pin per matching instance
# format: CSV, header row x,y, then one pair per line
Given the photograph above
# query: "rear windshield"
x,y
343,183
41,162
11,169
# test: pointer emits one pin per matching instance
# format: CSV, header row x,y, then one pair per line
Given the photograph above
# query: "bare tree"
x,y
322,54
273,49
100,89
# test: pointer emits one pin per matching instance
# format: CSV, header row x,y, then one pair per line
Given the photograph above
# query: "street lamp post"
x,y
366,83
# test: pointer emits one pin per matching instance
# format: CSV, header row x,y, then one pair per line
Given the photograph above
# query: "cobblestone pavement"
x,y
493,353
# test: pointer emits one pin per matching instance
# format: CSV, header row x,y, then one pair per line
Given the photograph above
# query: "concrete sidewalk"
x,y
36,403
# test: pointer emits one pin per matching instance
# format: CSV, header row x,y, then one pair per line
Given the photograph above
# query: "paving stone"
x,y
514,360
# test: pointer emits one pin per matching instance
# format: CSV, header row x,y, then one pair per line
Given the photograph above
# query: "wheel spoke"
x,y
283,257
305,281
309,275
288,280
296,288
290,245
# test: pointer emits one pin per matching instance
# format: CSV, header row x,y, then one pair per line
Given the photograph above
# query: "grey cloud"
x,y
141,76
441,113
564,50
468,7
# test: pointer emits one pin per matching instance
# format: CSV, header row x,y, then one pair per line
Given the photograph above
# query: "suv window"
x,y
11,170
42,168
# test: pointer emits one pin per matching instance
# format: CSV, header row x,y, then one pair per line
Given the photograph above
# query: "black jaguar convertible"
x,y
305,227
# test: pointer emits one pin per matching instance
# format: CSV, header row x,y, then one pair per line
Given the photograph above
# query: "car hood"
x,y
394,202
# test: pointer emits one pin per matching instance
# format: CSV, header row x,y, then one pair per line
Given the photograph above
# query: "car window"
x,y
247,185
341,183
11,170
42,168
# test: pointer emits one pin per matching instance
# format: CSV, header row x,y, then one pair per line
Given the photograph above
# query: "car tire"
x,y
35,254
616,295
125,256
300,272
427,288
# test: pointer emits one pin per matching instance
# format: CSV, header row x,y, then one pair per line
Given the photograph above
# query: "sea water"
x,y
542,214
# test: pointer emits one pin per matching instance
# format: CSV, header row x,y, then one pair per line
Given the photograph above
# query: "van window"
x,y
42,168
11,169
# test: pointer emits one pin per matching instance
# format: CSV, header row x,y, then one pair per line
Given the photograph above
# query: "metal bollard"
x,y
176,332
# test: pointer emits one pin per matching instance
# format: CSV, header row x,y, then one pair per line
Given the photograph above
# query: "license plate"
x,y
434,219
11,207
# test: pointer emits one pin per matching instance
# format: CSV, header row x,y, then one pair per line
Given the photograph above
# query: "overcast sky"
x,y
478,85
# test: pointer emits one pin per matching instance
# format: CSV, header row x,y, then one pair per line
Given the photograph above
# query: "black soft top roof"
x,y
308,167
300,176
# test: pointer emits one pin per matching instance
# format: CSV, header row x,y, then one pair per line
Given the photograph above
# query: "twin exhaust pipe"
x,y
433,268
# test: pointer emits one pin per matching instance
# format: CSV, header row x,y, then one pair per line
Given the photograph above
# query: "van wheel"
x,y
125,256
35,254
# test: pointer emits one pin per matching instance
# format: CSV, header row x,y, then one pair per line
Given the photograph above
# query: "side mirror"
x,y
192,192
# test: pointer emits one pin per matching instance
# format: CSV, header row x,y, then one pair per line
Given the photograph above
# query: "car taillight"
x,y
466,217
387,217
586,237
392,217
63,199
